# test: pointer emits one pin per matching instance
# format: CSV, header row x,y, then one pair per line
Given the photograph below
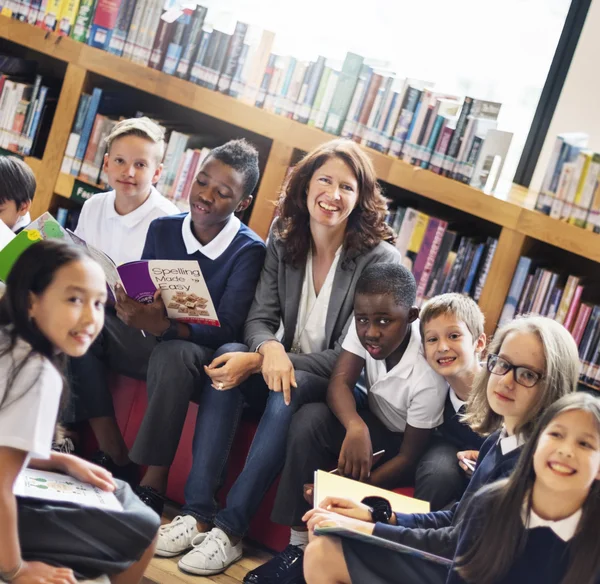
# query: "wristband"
x,y
12,574
381,510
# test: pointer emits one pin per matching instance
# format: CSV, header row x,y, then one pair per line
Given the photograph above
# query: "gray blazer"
x,y
278,296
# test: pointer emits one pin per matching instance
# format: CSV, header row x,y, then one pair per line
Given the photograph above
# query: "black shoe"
x,y
130,473
284,568
151,497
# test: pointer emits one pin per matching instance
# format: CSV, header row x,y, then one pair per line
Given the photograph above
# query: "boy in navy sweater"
x,y
140,341
453,339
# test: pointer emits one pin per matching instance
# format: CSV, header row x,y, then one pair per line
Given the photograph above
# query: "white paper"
x,y
6,234
52,486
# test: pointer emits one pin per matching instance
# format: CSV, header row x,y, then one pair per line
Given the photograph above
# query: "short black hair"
x,y
17,181
241,156
389,278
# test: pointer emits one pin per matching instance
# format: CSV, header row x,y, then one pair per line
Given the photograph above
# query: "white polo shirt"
x,y
216,246
410,393
121,237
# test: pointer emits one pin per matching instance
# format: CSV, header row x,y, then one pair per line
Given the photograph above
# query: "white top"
x,y
564,528
214,248
29,408
410,393
22,222
312,310
121,237
457,403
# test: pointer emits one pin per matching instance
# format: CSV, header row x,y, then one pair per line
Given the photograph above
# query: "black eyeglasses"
x,y
523,376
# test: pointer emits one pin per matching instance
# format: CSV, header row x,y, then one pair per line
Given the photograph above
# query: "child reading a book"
x,y
532,362
541,524
453,339
53,307
117,222
171,354
17,187
405,401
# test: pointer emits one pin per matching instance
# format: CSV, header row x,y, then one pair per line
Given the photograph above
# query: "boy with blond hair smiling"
x,y
453,339
117,222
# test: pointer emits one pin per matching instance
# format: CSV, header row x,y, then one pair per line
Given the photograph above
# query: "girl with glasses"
x,y
532,363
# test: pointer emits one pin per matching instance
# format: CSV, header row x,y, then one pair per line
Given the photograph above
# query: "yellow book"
x,y
68,14
52,14
333,485
418,233
593,219
580,184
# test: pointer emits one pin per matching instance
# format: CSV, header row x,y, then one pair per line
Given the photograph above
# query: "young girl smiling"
x,y
54,306
541,525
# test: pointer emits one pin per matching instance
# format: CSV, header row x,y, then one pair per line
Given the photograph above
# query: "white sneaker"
x,y
212,555
176,537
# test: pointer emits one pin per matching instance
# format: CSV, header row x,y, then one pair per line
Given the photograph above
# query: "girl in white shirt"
x,y
53,307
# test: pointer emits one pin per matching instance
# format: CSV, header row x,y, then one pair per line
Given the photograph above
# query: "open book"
x,y
182,285
52,486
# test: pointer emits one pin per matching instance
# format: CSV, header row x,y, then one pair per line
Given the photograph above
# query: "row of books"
x,y
571,187
27,104
446,134
538,290
440,258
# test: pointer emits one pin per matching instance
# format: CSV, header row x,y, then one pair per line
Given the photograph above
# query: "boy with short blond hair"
x,y
117,222
453,339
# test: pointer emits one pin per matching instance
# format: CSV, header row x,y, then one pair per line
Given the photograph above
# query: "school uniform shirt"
x,y
231,264
453,430
409,393
437,532
22,222
545,557
29,407
120,237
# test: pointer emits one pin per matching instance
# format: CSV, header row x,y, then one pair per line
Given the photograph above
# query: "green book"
x,y
319,97
83,22
344,90
44,227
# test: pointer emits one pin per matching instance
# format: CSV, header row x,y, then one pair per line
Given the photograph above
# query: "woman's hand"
x,y
40,573
231,369
277,369
87,472
469,455
151,318
324,518
347,508
356,455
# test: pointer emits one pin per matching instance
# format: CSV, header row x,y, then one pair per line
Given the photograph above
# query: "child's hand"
x,y
151,318
348,508
471,457
35,572
231,369
87,472
356,455
323,518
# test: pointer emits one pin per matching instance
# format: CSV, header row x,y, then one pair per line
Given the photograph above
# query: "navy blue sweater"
x,y
231,278
437,532
545,557
456,432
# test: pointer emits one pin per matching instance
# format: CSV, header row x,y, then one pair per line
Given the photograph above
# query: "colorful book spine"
x,y
232,57
191,43
68,15
103,23
425,260
573,308
86,130
116,44
516,288
83,22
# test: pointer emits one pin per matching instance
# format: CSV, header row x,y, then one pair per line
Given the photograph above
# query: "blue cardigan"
x,y
545,557
437,532
231,278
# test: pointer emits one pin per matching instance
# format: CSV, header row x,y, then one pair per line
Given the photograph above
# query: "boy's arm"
x,y
356,453
398,469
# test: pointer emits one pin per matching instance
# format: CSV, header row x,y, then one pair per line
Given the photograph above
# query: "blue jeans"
x,y
219,414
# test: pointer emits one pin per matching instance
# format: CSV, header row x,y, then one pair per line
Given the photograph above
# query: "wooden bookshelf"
x,y
517,223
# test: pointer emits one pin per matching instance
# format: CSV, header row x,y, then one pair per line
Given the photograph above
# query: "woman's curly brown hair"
x,y
366,224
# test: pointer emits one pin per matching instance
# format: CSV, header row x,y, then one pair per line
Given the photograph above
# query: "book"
x,y
514,292
191,43
82,25
382,542
483,172
105,18
53,486
181,283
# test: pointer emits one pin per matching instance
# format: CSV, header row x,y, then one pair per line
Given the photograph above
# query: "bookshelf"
x,y
518,225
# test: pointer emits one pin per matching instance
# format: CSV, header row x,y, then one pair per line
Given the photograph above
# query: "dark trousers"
x,y
174,372
314,442
438,478
376,565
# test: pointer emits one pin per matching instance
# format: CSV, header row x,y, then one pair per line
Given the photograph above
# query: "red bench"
x,y
130,402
